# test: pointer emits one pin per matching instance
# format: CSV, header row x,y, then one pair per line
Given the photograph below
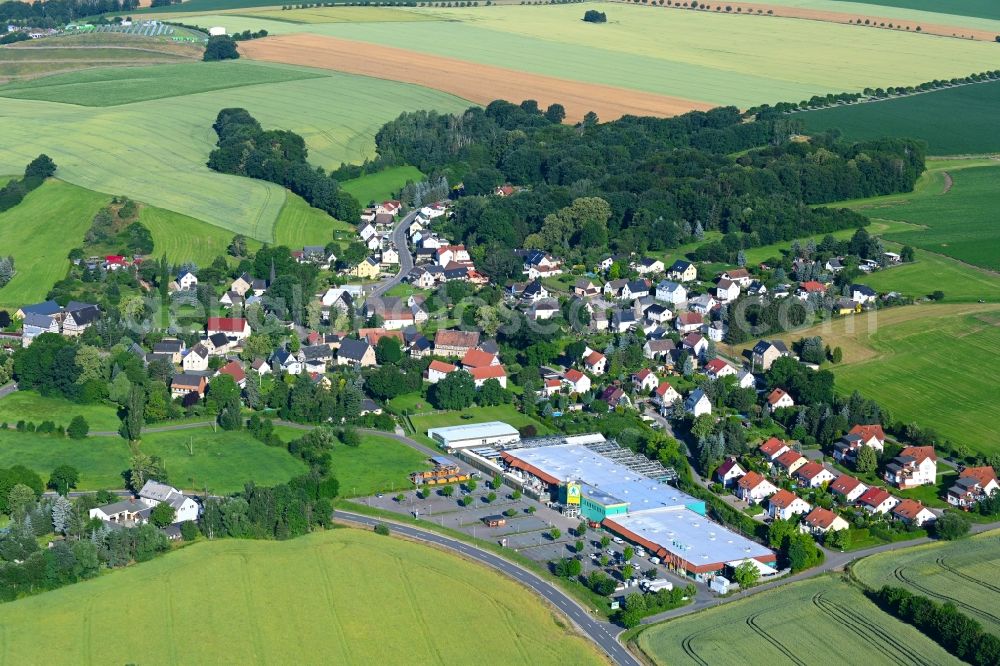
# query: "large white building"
x,y
491,433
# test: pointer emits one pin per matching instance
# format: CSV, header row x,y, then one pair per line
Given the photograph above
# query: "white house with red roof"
x,y
695,343
483,374
717,369
912,512
848,487
974,484
814,474
665,395
784,504
688,322
234,328
914,466
728,472
754,488
820,521
645,381
389,208
438,370
477,358
595,362
790,461
551,386
779,399
877,500
810,287
858,436
235,370
772,448
576,381
740,276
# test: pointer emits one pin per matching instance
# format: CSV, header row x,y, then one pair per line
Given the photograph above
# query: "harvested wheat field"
x,y
475,82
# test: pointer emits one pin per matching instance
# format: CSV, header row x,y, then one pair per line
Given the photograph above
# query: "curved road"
x,y
405,258
602,633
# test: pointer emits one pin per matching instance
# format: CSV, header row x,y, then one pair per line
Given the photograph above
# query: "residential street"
x,y
400,240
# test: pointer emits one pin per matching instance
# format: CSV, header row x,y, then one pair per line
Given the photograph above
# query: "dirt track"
x,y
852,17
477,83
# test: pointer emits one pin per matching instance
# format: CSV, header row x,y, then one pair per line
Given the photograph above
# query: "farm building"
x,y
628,495
474,434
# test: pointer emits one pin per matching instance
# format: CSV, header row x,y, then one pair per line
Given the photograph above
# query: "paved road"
x,y
602,633
399,238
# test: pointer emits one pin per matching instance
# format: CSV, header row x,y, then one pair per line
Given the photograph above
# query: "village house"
x,y
688,322
745,379
814,475
484,373
847,487
551,386
658,314
234,369
576,381
184,383
585,288
682,271
538,264
389,256
595,363
703,304
726,291
78,319
356,352
785,504
697,403
863,294
753,488
235,328
914,466
665,396
171,348
877,500
438,370
860,435
291,363
186,281
261,367
645,381
127,513
367,269
477,358
316,358
658,349
717,369
614,397
648,266
772,448
779,399
740,276
974,485
810,288
196,359
33,325
217,344
671,292
729,472
913,512
154,493
695,344
790,461
821,521
450,342
766,353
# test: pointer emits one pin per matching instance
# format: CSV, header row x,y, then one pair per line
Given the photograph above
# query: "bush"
x,y
78,428
189,530
220,47
594,16
382,529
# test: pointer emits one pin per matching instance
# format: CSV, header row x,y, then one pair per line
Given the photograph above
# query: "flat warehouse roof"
x,y
608,479
470,431
691,537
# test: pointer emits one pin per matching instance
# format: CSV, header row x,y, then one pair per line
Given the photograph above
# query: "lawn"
x,y
111,86
311,600
382,185
40,231
714,58
155,151
379,464
929,116
184,238
100,460
221,461
932,272
300,224
910,358
962,572
29,406
956,220
506,413
774,627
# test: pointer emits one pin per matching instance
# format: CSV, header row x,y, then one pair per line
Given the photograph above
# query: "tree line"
x,y
279,156
57,13
35,173
662,181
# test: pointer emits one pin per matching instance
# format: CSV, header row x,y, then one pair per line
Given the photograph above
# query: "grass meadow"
x,y
342,596
847,629
961,572
339,15
708,57
930,364
928,116
30,406
155,151
184,238
39,233
300,224
987,9
931,272
382,185
100,460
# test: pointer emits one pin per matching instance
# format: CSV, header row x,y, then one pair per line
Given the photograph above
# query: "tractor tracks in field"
x,y
972,579
900,576
896,650
751,622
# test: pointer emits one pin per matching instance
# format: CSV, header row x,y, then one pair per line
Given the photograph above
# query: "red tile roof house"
x,y
551,386
772,448
576,381
234,328
717,368
235,370
848,487
477,358
645,381
821,521
860,435
913,512
728,472
784,504
665,395
779,399
877,500
754,488
974,484
595,362
481,375
790,461
437,371
814,475
914,466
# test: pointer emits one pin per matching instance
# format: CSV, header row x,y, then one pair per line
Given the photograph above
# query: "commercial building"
x,y
628,494
491,433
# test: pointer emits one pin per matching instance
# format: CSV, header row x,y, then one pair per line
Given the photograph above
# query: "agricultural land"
x,y
346,580
853,630
963,573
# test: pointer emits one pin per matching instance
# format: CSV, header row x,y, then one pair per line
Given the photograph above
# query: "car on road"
x,y
618,540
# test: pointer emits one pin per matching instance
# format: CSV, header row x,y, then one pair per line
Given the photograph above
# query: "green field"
x,y
29,406
958,221
100,460
39,233
930,272
506,413
982,8
300,224
928,116
819,621
340,15
184,238
760,254
715,58
382,185
380,464
962,572
155,151
317,599
909,358
111,86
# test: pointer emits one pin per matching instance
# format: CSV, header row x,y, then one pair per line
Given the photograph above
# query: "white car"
x,y
618,540
654,560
